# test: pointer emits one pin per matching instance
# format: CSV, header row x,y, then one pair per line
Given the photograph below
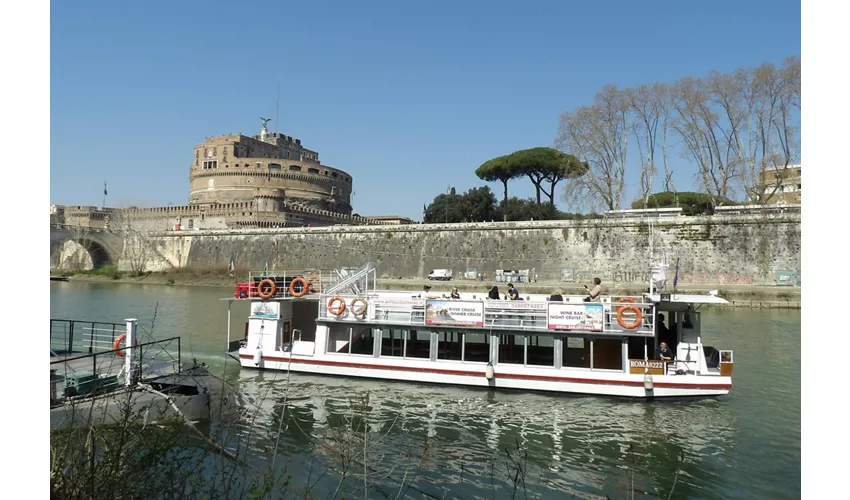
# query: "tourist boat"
x,y
324,322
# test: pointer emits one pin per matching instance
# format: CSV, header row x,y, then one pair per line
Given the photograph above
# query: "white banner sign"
x,y
575,317
454,312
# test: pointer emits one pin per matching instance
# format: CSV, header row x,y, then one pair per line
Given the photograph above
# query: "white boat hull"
x,y
564,380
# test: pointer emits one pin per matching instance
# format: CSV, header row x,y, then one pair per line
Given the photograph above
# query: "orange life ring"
x,y
362,310
336,311
117,345
622,322
624,299
271,289
304,287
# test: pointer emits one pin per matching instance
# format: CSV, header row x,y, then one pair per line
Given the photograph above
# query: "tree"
x,y
476,205
519,209
690,203
598,134
498,169
649,104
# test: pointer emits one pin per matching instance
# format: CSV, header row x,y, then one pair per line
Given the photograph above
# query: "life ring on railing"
x,y
270,287
362,310
336,310
624,299
304,287
638,317
117,345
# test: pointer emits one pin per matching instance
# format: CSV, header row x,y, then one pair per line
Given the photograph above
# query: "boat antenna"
x,y
277,109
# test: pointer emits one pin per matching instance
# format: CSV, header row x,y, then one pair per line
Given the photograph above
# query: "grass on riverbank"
x,y
750,296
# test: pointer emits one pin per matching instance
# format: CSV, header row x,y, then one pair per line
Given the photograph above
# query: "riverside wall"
x,y
729,249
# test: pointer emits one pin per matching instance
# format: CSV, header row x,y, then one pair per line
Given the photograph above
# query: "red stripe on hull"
x,y
444,371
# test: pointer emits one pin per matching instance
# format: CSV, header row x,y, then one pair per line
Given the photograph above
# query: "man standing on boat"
x,y
595,291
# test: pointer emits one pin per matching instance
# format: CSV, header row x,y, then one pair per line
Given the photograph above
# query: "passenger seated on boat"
x,y
455,295
556,295
664,353
427,291
513,294
494,293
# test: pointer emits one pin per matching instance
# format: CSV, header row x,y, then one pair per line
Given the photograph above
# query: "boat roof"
x,y
660,299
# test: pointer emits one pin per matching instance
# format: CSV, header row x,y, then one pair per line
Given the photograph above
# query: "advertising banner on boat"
x,y
454,312
577,317
265,310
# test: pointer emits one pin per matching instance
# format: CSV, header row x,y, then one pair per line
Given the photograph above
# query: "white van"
x,y
440,274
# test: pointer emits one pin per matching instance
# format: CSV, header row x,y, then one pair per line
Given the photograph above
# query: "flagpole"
x,y
103,207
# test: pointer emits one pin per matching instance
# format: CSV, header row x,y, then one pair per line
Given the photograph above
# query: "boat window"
x,y
392,342
339,339
541,350
512,349
363,342
418,345
608,354
449,345
476,347
576,352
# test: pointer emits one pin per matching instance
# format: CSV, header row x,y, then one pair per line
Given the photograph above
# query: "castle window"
x,y
313,170
294,168
333,174
259,164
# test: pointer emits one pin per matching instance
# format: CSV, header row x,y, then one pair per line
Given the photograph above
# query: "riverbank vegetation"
x,y
353,452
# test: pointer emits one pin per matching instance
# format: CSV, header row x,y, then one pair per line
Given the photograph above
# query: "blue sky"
x,y
408,97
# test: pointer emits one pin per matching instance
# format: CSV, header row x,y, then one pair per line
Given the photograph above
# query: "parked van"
x,y
440,274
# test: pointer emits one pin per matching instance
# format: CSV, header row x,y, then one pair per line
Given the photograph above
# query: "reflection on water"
x,y
577,445
466,442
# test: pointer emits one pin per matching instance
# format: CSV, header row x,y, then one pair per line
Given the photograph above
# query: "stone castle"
x,y
266,180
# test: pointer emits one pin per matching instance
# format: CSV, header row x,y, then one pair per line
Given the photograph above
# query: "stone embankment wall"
x,y
740,249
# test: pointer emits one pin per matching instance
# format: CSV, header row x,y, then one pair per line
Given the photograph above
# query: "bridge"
x,y
104,247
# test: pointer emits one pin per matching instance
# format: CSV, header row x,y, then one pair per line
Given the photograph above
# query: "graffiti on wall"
x,y
574,275
719,278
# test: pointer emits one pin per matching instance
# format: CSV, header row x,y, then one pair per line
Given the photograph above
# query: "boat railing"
x,y
607,317
361,282
289,283
99,372
69,336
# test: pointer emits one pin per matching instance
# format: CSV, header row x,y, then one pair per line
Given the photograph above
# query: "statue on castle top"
x,y
265,121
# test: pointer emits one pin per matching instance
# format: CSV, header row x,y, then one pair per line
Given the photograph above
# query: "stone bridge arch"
x,y
82,247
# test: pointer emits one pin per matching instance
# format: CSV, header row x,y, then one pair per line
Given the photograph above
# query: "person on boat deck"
x,y
593,293
662,332
513,293
455,295
663,352
428,294
556,295
494,293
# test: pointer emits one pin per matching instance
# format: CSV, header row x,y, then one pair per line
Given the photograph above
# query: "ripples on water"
x,y
745,445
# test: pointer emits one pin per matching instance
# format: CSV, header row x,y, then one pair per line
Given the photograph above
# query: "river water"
x,y
471,443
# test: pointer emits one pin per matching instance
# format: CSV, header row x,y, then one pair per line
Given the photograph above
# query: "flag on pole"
x,y
676,276
231,267
266,270
104,188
